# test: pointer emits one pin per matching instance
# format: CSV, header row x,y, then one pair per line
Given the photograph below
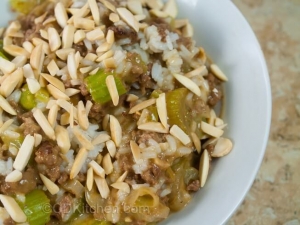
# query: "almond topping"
x,y
110,37
203,167
56,93
37,57
52,68
201,71
211,130
61,14
54,81
162,109
111,148
171,8
6,66
90,179
116,130
24,153
63,140
6,106
63,53
52,115
95,11
142,105
95,34
102,187
188,83
188,30
113,17
106,55
54,39
79,36
222,148
196,142
13,209
11,82
15,50
155,4
109,5
33,85
37,139
109,63
20,60
28,46
82,139
51,186
82,117
14,176
132,98
6,125
218,72
180,135
72,67
122,177
97,168
82,23
68,36
154,127
44,124
107,164
112,89
135,6
127,16
136,151
121,186
78,162
101,138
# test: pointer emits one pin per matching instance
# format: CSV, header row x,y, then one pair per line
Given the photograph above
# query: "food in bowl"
x,y
107,113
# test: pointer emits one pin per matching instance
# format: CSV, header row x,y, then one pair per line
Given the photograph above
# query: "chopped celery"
x,y
24,6
37,208
97,86
89,221
2,55
153,117
138,67
12,141
155,93
42,95
28,100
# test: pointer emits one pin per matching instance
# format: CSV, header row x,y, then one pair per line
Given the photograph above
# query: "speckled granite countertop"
x,y
275,195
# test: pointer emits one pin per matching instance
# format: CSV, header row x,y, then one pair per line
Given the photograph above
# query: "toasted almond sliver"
x,y
188,30
79,36
97,169
113,17
116,130
95,34
218,72
121,186
154,127
109,5
52,68
128,17
188,83
6,125
85,70
155,4
71,91
132,98
61,14
37,57
88,107
171,8
27,71
6,66
52,115
63,139
135,6
105,122
28,46
211,130
67,106
33,85
82,23
54,39
78,162
109,63
196,141
110,37
162,109
101,138
142,105
68,36
112,89
37,139
50,19
102,187
50,185
158,13
24,153
56,93
13,209
82,117
19,61
65,119
6,106
90,179
41,18
15,50
202,70
95,11
179,23
140,17
72,66
122,177
111,148
222,148
106,55
11,82
63,53
180,134
103,48
203,167
54,81
44,124
82,139
38,41
136,151
107,164
14,176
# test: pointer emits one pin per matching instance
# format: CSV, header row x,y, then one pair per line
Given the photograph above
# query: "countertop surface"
x,y
275,195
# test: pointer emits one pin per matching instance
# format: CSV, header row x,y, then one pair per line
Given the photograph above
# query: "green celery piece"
x,y
97,86
3,56
27,99
24,6
42,95
155,93
153,117
12,141
37,208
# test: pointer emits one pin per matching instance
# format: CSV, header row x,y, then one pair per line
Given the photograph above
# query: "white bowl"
x,y
229,41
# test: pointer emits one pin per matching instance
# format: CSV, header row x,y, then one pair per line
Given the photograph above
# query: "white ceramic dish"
x,y
231,43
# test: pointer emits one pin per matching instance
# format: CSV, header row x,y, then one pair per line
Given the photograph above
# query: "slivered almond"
x,y
13,209
122,177
82,12
50,19
38,41
180,135
13,27
78,162
88,107
11,82
82,139
171,8
6,66
44,34
196,141
112,89
203,167
222,148
154,127
188,30
37,139
44,124
61,14
135,6
121,186
211,119
101,138
52,115
111,148
136,151
105,122
109,63
6,106
113,17
41,18
71,91
63,139
219,122
63,53
142,105
211,130
91,57
20,60
52,68
6,125
14,176
33,85
97,168
158,13
15,50
54,81
28,46
99,159
65,119
109,5
106,55
71,118
102,187
132,98
50,185
56,93
78,58
68,36
79,36
188,83
24,153
218,72
42,81
54,39
155,4
82,117
82,23
95,34
107,164
90,179
7,41
72,67
128,17
85,70
162,109
37,57
116,130
201,71
179,23
67,106
103,47
110,37
95,11
27,71
140,17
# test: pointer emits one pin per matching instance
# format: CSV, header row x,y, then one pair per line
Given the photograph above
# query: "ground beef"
x,y
122,32
63,178
186,41
151,175
210,148
65,205
143,136
83,89
80,47
9,221
200,107
96,113
162,27
27,184
48,159
193,186
214,84
68,83
30,127
125,161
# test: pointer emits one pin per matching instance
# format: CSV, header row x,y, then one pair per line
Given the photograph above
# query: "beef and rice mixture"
x,y
106,113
